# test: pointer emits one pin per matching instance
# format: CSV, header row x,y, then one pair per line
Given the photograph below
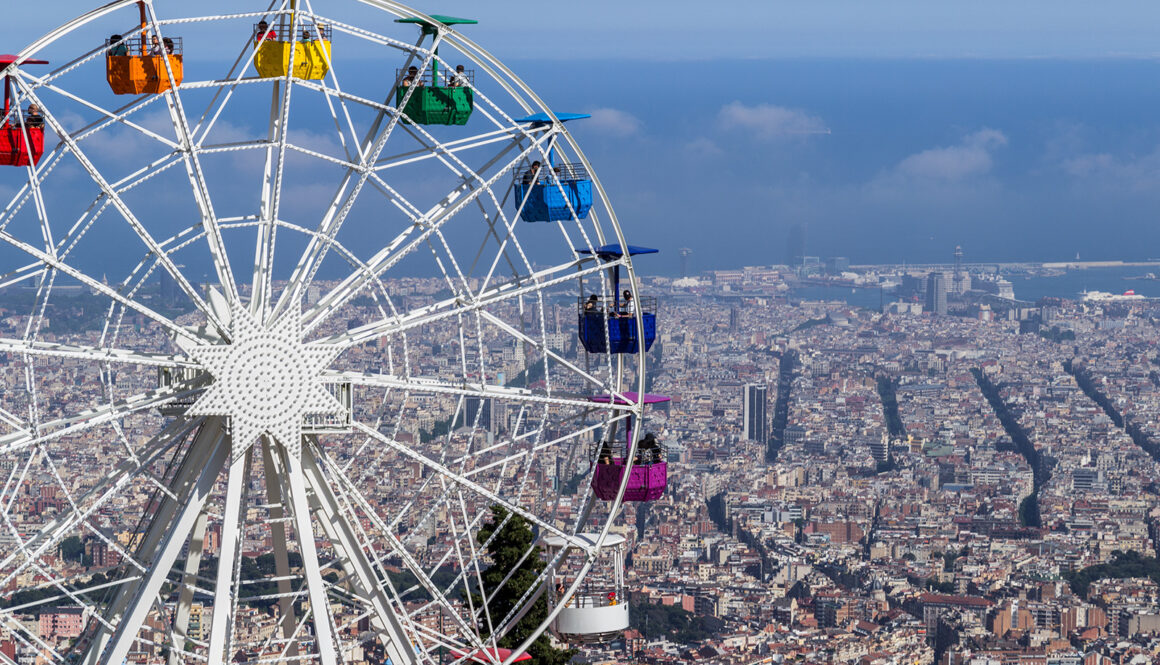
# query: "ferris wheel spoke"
x,y
119,116
94,499
134,223
390,255
349,490
201,195
342,203
52,261
539,345
55,429
332,93
537,448
468,389
511,135
21,274
466,483
95,354
453,307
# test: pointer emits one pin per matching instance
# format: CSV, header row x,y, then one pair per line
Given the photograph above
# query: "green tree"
x,y
72,549
515,537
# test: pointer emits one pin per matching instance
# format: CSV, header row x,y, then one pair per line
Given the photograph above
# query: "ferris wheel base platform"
x,y
591,624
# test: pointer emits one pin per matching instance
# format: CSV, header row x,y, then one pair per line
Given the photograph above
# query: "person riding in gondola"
x,y
458,79
629,307
412,77
117,46
264,33
33,118
592,304
532,173
605,456
648,450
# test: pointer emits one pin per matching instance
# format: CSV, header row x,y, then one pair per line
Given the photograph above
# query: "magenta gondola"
x,y
648,476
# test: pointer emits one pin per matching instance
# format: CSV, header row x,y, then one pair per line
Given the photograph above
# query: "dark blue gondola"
x,y
608,325
553,193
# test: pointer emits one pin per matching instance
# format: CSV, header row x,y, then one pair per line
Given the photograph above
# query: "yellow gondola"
x,y
304,40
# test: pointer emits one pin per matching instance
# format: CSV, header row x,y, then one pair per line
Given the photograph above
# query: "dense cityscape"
x,y
845,485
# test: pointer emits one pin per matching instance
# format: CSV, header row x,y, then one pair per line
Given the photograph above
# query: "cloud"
x,y
971,157
1135,172
767,121
613,122
703,147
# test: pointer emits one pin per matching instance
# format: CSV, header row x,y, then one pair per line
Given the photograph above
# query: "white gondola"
x,y
598,611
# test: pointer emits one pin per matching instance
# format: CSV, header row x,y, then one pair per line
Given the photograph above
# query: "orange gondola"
x,y
137,65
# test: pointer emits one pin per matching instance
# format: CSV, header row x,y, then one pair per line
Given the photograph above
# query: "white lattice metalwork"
x,y
263,342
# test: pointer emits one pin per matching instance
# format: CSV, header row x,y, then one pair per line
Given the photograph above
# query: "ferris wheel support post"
x,y
358,568
275,497
226,585
182,482
180,632
207,464
316,588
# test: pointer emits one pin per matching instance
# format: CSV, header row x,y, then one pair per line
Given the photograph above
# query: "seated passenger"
x,y
411,77
648,451
306,35
629,307
605,454
33,117
264,33
116,46
532,173
458,79
168,45
155,46
591,305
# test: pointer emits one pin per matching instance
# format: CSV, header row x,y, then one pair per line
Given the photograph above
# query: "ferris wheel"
x,y
309,310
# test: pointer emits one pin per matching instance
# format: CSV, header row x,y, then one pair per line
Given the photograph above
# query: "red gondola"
x,y
21,138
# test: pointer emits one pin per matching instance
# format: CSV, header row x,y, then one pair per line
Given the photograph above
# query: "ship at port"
x,y
1105,296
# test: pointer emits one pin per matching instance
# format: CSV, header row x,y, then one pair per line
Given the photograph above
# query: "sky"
x,y
668,31
892,131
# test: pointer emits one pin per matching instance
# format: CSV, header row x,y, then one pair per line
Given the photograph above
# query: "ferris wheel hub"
x,y
266,380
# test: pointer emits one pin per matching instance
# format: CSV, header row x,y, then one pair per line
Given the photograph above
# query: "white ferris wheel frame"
x,y
314,484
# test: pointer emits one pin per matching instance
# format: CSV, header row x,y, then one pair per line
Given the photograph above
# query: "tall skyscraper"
x,y
756,399
795,246
170,292
936,293
958,284
734,318
473,406
685,253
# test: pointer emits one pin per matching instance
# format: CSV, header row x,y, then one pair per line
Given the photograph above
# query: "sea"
x,y
1028,288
